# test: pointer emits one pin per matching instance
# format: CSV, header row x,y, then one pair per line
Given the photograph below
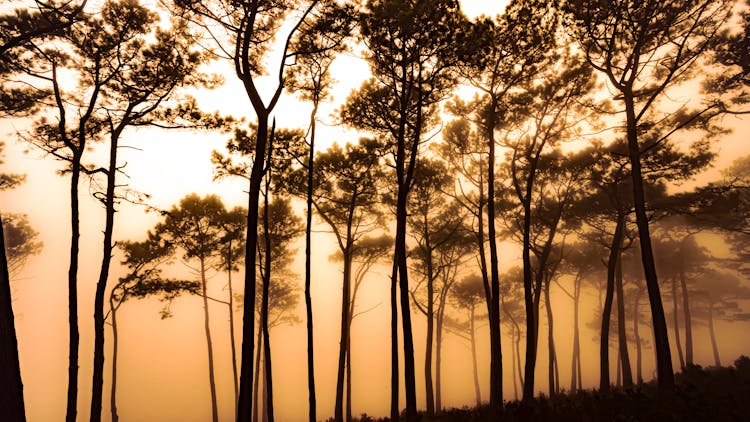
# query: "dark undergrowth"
x,y
701,394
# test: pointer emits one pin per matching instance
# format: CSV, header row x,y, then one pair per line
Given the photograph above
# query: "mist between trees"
x,y
584,206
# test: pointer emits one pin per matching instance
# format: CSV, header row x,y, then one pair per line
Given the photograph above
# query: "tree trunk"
x,y
244,408
496,353
115,346
686,311
475,372
394,343
712,334
676,324
256,381
230,305
349,377
550,341
101,284
312,412
513,365
409,380
636,333
428,386
72,403
267,369
439,356
614,256
575,368
344,334
627,372
665,373
11,386
207,329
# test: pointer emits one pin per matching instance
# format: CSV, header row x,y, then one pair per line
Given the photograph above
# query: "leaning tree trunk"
x,y
312,412
230,305
11,386
207,330
614,256
256,381
712,334
101,284
627,372
266,279
676,324
665,373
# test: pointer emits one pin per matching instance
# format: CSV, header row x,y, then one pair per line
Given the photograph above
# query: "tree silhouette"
x,y
467,294
644,48
412,50
143,259
20,242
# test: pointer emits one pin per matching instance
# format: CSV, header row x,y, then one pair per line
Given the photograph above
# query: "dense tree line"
x,y
570,148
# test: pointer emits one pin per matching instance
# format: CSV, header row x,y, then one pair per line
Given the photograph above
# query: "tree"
x,y
467,294
313,82
20,242
143,259
194,226
720,299
243,33
412,51
345,197
509,52
644,48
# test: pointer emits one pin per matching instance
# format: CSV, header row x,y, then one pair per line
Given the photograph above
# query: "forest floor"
x,y
701,394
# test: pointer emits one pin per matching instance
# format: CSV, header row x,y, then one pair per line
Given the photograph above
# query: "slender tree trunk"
x,y
394,343
496,353
712,334
264,417
244,408
409,380
676,324
115,346
349,377
11,386
574,380
686,312
429,340
475,372
344,334
268,369
529,302
627,372
550,341
312,412
513,365
72,403
636,333
518,356
439,356
614,256
665,374
207,329
618,382
256,381
101,284
232,341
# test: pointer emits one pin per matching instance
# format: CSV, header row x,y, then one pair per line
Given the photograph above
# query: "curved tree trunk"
x,y
627,372
11,386
550,342
101,284
115,346
665,374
